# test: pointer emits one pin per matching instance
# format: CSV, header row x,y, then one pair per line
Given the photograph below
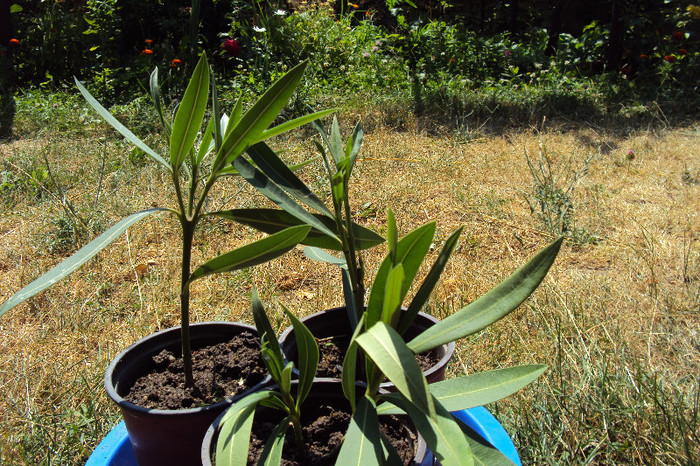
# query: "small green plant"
x,y
196,164
388,356
377,328
551,198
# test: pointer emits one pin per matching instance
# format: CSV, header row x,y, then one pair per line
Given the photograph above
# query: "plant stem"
x,y
188,227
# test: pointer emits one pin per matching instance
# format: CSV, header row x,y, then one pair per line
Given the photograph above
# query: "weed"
x,y
551,197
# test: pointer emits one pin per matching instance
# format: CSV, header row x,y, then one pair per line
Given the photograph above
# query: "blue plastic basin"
x,y
115,448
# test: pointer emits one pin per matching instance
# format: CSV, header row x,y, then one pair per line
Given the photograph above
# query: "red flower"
x,y
678,35
14,41
682,51
643,56
149,41
175,63
147,52
670,58
231,47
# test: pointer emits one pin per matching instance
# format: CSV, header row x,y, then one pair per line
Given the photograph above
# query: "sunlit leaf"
x,y
74,262
495,304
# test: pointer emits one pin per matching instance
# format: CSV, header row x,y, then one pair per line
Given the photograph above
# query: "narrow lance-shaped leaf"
x,y
388,351
495,304
274,220
391,308
410,252
320,255
348,374
252,254
270,190
252,124
272,453
155,96
483,453
274,168
362,443
295,123
109,118
262,323
234,435
476,389
308,355
190,113
426,288
441,433
71,264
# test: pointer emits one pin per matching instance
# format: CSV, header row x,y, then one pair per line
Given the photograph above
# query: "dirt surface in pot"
x,y
221,370
333,351
323,430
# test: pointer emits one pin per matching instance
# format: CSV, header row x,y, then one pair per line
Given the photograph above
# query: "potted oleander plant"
x,y
334,229
380,350
198,157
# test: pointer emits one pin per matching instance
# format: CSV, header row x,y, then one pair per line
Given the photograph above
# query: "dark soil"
x,y
333,351
220,371
323,431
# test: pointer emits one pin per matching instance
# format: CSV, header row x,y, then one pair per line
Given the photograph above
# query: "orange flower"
x,y
14,41
147,52
682,51
678,35
175,63
643,56
670,58
355,5
368,13
149,41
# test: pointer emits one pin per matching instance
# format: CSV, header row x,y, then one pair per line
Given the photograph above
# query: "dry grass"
x,y
626,306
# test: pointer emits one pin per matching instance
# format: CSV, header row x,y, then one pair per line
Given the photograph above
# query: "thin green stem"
x,y
188,228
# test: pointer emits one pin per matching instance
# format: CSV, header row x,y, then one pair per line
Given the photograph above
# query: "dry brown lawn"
x,y
630,298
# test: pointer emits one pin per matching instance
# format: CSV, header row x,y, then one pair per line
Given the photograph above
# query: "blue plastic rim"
x,y
115,448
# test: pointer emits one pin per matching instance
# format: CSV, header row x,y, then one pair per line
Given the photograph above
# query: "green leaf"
x,y
391,308
392,236
207,143
274,220
441,433
483,453
336,142
362,443
388,351
295,123
308,355
348,373
155,96
109,118
252,254
234,433
275,169
426,288
270,190
71,264
477,389
15,8
495,304
320,255
410,252
262,323
272,453
249,129
190,114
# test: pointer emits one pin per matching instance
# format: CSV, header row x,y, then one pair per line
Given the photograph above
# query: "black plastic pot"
x,y
334,324
324,391
168,437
